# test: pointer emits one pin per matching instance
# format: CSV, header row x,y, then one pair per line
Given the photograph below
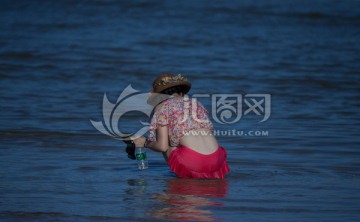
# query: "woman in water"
x,y
180,128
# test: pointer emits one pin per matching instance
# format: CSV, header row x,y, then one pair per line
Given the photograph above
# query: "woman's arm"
x,y
162,140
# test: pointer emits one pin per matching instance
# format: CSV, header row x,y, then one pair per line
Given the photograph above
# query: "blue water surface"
x,y
57,59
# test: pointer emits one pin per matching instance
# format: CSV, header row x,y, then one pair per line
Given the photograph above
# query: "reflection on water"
x,y
187,199
137,186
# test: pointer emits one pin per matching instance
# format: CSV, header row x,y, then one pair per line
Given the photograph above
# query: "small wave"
x,y
23,55
50,216
273,11
44,134
5,76
87,168
318,16
29,216
265,209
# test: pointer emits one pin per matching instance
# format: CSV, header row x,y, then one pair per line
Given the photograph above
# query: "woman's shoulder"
x,y
161,106
170,103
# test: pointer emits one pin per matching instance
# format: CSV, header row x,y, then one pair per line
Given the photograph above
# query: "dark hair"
x,y
175,89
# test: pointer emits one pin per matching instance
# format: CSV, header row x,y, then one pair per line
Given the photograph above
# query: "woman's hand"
x,y
139,141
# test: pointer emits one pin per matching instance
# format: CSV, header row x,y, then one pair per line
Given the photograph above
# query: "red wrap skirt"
x,y
187,163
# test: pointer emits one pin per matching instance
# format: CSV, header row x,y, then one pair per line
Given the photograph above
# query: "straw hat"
x,y
169,80
166,81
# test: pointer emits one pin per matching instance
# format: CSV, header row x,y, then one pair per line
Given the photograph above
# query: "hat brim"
x,y
157,97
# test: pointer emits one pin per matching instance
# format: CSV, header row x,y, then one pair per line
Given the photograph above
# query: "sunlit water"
x,y
57,59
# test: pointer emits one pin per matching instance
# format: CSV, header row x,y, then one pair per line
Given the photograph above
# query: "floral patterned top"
x,y
181,115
